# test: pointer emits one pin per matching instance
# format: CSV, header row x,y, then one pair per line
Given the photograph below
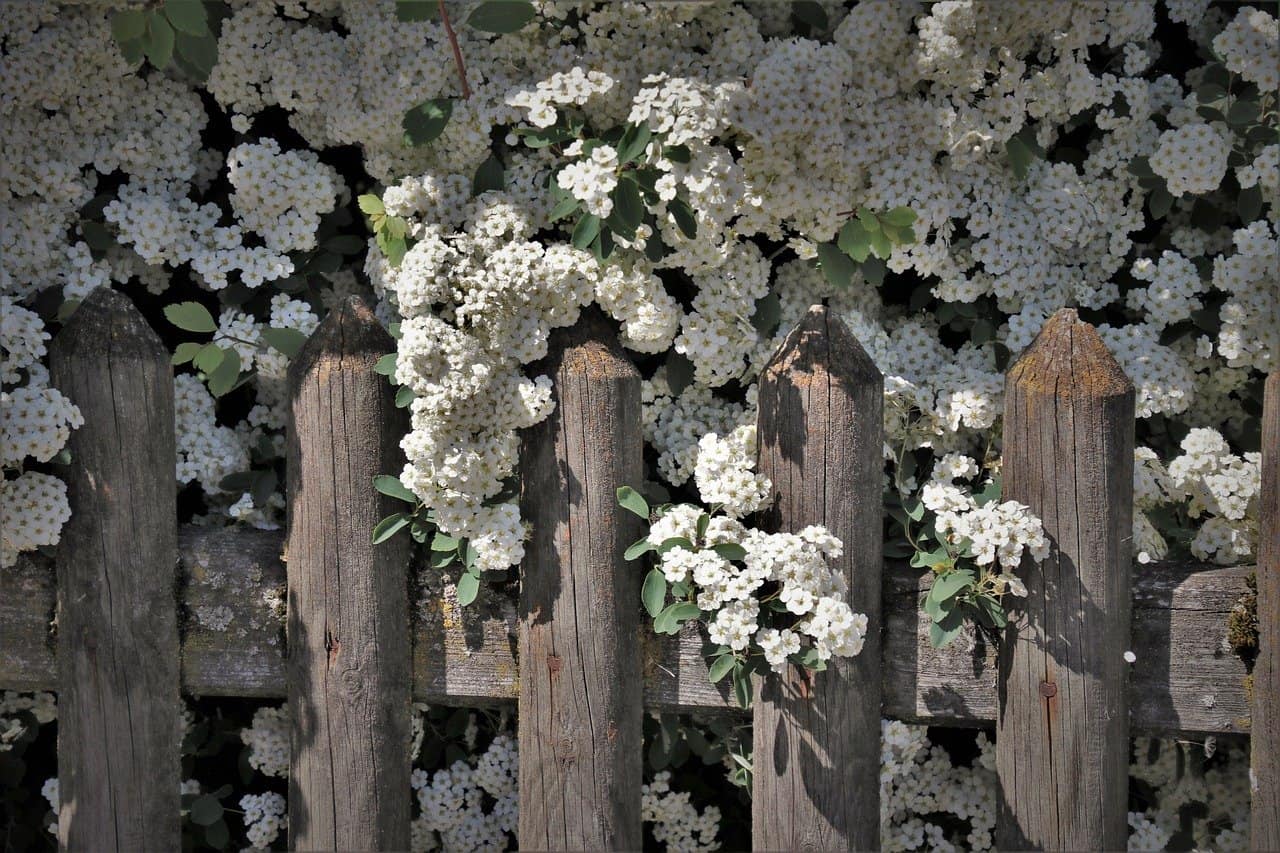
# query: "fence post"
x,y
118,704
348,673
1062,727
579,717
1265,733
821,439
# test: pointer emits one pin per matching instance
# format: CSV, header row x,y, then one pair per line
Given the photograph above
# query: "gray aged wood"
x,y
579,718
118,723
1265,759
1062,727
816,779
348,671
1186,679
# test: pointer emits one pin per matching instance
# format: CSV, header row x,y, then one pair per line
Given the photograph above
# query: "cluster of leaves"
x,y
962,591
865,242
672,605
420,521
672,740
177,31
216,362
390,232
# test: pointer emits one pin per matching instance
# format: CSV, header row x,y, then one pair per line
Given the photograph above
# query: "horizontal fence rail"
x,y
339,637
1186,679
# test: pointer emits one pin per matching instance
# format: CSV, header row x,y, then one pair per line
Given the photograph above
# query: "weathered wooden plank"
x,y
118,730
816,779
579,717
348,672
1185,680
1062,726
1265,757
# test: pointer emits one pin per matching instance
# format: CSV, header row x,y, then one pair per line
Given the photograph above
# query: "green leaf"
x,y
468,588
1249,203
264,485
389,526
628,208
684,216
404,396
224,376
1160,202
206,810
370,204
190,317
703,520
880,246
873,271
632,501
197,54
721,667
654,592
386,365
208,358
501,16
563,208
901,217
287,341
675,542
945,630
489,176
187,16
679,372
1020,157
445,542
668,621
870,222
742,692
1243,113
836,265
587,229
730,551
854,240
393,247
931,559
185,352
158,46
390,485
132,50
633,143
677,153
410,11
425,122
128,25
948,585
638,549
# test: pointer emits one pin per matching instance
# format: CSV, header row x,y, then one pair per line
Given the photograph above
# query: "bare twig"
x,y
457,51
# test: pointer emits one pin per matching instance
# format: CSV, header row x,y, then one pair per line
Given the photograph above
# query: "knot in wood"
x,y
1048,689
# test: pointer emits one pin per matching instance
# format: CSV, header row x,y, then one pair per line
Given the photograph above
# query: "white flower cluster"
x,y
265,815
675,820
592,179
1223,488
1192,158
280,195
454,815
42,706
268,741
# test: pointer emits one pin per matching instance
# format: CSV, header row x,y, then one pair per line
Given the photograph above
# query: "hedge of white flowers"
x,y
943,174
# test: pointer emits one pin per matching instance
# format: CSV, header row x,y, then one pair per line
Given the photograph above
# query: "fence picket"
x,y
348,672
118,705
1265,744
579,721
1062,727
816,773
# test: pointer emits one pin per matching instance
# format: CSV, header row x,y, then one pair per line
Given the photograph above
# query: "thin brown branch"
x,y
457,51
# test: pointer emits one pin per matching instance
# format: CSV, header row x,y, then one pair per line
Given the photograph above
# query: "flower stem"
x,y
457,51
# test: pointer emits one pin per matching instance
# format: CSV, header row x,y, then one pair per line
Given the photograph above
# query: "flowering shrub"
x,y
944,174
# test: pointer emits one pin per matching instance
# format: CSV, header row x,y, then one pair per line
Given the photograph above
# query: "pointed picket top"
x,y
1068,356
108,321
351,336
589,347
822,340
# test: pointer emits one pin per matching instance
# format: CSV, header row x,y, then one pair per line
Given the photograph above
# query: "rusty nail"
x,y
1048,689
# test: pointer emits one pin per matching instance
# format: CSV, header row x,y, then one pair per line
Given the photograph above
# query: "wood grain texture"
x,y
579,717
348,671
1062,727
816,779
118,722
1186,679
1265,758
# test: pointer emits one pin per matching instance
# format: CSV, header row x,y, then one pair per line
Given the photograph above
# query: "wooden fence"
x,y
145,608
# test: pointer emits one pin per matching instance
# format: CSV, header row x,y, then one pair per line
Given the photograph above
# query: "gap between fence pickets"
x,y
1186,678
